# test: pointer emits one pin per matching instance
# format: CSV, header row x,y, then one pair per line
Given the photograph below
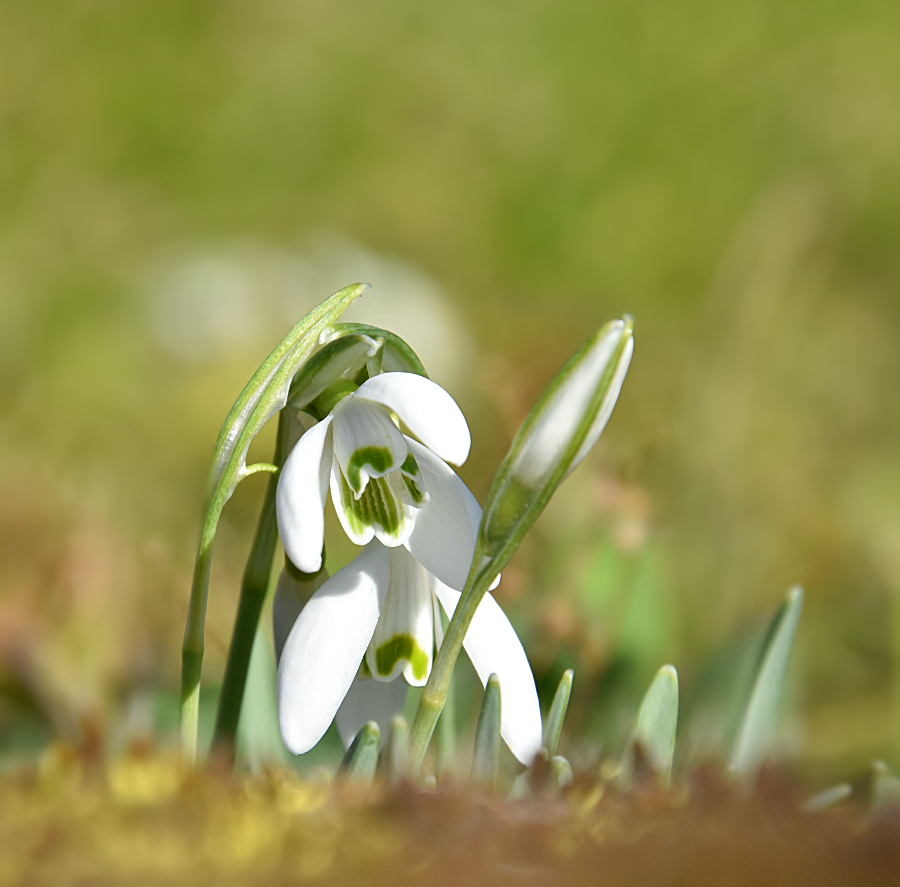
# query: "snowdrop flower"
x,y
384,484
378,620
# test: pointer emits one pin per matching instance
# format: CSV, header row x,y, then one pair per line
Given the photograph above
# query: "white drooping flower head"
x,y
378,476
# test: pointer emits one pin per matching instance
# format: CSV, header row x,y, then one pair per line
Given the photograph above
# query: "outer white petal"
x,y
370,700
291,596
443,540
326,645
429,412
494,648
404,637
300,498
361,426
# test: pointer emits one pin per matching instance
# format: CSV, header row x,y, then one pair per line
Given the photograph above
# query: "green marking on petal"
x,y
353,508
398,648
419,496
379,459
377,506
412,478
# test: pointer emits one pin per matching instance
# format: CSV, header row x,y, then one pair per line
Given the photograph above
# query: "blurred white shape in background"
x,y
211,302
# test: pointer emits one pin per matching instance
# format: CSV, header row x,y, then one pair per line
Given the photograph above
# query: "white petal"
x,y
430,413
494,648
443,539
366,442
404,637
300,498
370,700
291,596
326,645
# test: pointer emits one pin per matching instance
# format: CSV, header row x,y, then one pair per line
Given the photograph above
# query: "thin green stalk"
x,y
435,693
192,647
254,587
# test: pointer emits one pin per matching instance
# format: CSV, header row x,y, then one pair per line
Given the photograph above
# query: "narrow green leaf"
x,y
361,758
657,720
829,797
486,753
882,786
396,751
267,390
759,725
557,715
561,775
258,735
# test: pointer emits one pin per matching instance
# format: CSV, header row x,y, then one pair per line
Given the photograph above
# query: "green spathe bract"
x,y
558,433
756,736
263,396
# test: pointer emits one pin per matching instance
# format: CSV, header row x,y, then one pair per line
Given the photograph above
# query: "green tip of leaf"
x,y
486,752
657,723
396,750
759,725
361,758
557,715
561,775
830,797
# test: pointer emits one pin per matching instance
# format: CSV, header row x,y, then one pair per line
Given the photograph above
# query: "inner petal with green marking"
x,y
367,443
385,509
404,636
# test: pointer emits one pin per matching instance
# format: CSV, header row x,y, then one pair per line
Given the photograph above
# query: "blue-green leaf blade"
x,y
486,751
557,714
759,724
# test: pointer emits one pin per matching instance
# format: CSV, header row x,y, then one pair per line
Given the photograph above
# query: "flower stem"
x,y
254,587
192,647
434,695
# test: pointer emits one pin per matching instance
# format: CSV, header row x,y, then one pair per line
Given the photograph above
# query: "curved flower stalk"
x,y
263,396
559,432
381,480
371,631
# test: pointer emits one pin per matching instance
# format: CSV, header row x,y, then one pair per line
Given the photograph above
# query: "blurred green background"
x,y
180,180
